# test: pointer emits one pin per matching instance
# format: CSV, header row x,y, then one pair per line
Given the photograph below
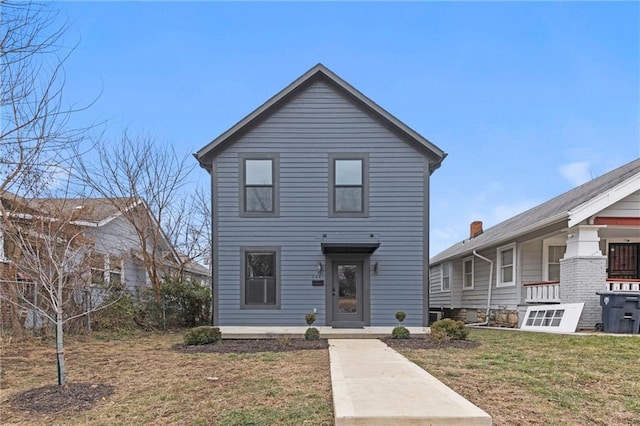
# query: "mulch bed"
x,y
244,346
56,399
427,343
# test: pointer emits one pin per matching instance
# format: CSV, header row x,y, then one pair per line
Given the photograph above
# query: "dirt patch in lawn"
x,y
60,399
244,346
428,343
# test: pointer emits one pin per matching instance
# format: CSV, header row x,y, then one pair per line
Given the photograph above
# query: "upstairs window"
x,y
506,266
348,187
259,188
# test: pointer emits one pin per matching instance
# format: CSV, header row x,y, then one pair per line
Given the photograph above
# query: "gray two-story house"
x,y
320,202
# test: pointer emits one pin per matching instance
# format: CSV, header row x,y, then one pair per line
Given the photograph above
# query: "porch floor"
x,y
326,332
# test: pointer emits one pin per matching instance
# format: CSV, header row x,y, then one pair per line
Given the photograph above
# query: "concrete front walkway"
x,y
375,385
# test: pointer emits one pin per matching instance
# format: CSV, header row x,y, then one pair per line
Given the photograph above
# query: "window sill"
x,y
260,307
257,214
501,285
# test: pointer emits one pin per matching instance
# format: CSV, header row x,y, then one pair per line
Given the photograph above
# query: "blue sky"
x,y
528,99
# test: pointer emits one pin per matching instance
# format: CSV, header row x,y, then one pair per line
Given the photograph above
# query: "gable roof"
x,y
320,72
97,211
573,206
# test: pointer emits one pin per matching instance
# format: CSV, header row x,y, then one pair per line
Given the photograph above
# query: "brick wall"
x,y
580,279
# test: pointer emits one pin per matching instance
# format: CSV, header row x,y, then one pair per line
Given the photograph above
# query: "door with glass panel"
x,y
347,292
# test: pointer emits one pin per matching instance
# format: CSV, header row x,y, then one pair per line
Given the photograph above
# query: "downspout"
x,y
486,321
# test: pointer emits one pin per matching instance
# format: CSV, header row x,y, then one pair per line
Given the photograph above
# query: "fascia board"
x,y
604,200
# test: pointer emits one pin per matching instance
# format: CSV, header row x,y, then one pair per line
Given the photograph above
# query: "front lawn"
x,y
517,377
154,384
535,378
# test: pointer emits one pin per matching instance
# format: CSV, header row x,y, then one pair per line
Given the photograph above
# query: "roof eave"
x,y
431,149
507,238
593,206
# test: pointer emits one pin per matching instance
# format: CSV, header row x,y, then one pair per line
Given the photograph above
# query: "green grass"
x,y
540,378
154,384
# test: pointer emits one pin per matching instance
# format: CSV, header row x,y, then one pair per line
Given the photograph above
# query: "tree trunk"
x,y
62,370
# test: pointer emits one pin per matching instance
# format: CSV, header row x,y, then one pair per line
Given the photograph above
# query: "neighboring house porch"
x,y
566,250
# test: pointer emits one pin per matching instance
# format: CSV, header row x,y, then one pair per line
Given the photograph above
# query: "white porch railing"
x,y
549,291
622,285
542,292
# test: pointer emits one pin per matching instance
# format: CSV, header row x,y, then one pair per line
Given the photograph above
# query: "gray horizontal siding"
x,y
437,298
531,264
627,207
316,123
477,297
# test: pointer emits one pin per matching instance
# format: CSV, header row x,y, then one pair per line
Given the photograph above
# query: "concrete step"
x,y
266,332
375,385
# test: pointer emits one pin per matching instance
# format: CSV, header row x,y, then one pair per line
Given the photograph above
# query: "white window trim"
x,y
556,241
473,268
499,282
3,257
443,266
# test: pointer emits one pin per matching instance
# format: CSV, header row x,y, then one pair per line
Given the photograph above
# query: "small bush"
x,y
439,337
453,330
400,316
119,314
202,335
283,341
400,333
310,318
312,333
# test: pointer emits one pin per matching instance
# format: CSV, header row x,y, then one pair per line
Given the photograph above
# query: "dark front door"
x,y
348,295
624,261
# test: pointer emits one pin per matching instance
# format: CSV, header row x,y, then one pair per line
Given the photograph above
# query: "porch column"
x,y
583,272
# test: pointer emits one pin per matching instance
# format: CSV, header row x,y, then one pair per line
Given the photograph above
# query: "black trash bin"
x,y
620,311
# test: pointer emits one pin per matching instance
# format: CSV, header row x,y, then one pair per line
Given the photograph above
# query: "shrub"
x,y
400,333
310,318
453,330
283,341
400,316
312,333
118,315
184,303
202,335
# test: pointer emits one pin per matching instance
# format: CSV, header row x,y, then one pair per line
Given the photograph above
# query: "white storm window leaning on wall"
x,y
506,266
446,276
467,273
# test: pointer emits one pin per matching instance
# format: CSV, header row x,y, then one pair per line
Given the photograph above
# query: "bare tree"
x,y
35,139
52,256
188,227
143,180
34,133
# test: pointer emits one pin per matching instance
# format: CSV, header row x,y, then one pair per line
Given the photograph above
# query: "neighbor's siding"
x,y
438,299
319,121
627,207
477,298
118,238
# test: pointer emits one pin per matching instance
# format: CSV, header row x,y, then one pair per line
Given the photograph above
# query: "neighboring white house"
x,y
116,253
584,241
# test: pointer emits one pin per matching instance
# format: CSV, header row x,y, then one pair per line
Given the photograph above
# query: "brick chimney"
x,y
475,229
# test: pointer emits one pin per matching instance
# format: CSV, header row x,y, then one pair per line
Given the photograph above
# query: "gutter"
x,y
486,321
